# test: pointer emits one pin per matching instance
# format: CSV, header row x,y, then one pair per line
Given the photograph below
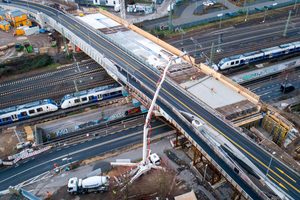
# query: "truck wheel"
x,y
83,192
75,193
96,192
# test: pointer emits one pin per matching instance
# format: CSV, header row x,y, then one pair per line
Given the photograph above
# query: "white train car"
x,y
88,96
17,113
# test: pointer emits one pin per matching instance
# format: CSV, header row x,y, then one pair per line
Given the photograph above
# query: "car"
x,y
208,3
159,1
289,88
229,14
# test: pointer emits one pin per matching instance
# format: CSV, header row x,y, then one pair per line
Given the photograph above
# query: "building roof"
x,y
2,12
187,196
3,22
17,13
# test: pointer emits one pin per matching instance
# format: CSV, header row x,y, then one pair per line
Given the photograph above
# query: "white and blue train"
x,y
255,56
17,113
88,96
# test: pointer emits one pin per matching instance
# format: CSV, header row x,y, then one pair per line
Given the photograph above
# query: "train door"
x,y
14,117
247,61
271,55
99,97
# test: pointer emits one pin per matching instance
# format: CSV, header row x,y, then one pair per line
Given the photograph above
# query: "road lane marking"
x,y
37,7
70,27
255,88
277,182
97,145
285,174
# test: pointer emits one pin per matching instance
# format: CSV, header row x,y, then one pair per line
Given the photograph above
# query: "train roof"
x,y
296,43
91,91
252,53
25,106
234,57
286,45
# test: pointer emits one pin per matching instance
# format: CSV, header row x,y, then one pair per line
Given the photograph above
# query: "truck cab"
x,y
154,159
72,185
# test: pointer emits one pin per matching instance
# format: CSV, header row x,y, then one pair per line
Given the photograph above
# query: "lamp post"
x,y
270,164
266,12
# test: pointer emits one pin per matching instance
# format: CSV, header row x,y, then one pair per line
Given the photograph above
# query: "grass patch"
x,y
144,2
53,65
138,160
240,3
75,112
74,165
25,64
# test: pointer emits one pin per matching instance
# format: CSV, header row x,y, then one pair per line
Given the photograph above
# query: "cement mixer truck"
x,y
93,184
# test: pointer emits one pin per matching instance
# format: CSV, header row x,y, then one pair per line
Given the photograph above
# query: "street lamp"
x,y
220,15
269,164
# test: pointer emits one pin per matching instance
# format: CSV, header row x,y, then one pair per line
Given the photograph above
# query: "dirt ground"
x,y
8,141
156,183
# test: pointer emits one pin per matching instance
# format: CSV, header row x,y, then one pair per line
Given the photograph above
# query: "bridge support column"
x,y
40,18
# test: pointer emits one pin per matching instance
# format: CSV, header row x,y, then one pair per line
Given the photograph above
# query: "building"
x,y
2,14
17,17
4,25
98,2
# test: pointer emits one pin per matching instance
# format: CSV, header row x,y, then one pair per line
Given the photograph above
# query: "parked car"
x,y
229,14
159,1
208,3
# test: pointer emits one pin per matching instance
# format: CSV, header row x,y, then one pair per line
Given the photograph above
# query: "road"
x,y
44,162
269,90
179,101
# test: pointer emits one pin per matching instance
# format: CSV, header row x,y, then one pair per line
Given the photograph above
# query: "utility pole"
x,y
247,14
65,41
221,15
170,19
196,43
211,55
77,92
182,32
219,43
266,12
122,10
286,79
287,24
294,5
245,5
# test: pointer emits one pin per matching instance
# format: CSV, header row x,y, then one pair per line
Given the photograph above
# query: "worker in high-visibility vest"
x,y
48,193
114,192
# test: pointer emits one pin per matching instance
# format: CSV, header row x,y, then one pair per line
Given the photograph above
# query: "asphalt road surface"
x,y
287,180
44,162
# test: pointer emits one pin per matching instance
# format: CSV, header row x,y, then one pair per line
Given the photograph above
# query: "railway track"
x,y
53,82
45,75
46,95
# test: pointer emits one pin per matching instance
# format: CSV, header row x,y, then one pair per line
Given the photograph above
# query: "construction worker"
x,y
48,193
114,192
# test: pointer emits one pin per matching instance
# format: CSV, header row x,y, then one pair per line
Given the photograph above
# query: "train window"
x,y
232,63
83,99
31,111
119,92
251,59
5,119
298,48
76,100
23,113
260,57
39,109
279,52
241,61
236,62
267,56
99,96
91,97
291,49
106,95
113,93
